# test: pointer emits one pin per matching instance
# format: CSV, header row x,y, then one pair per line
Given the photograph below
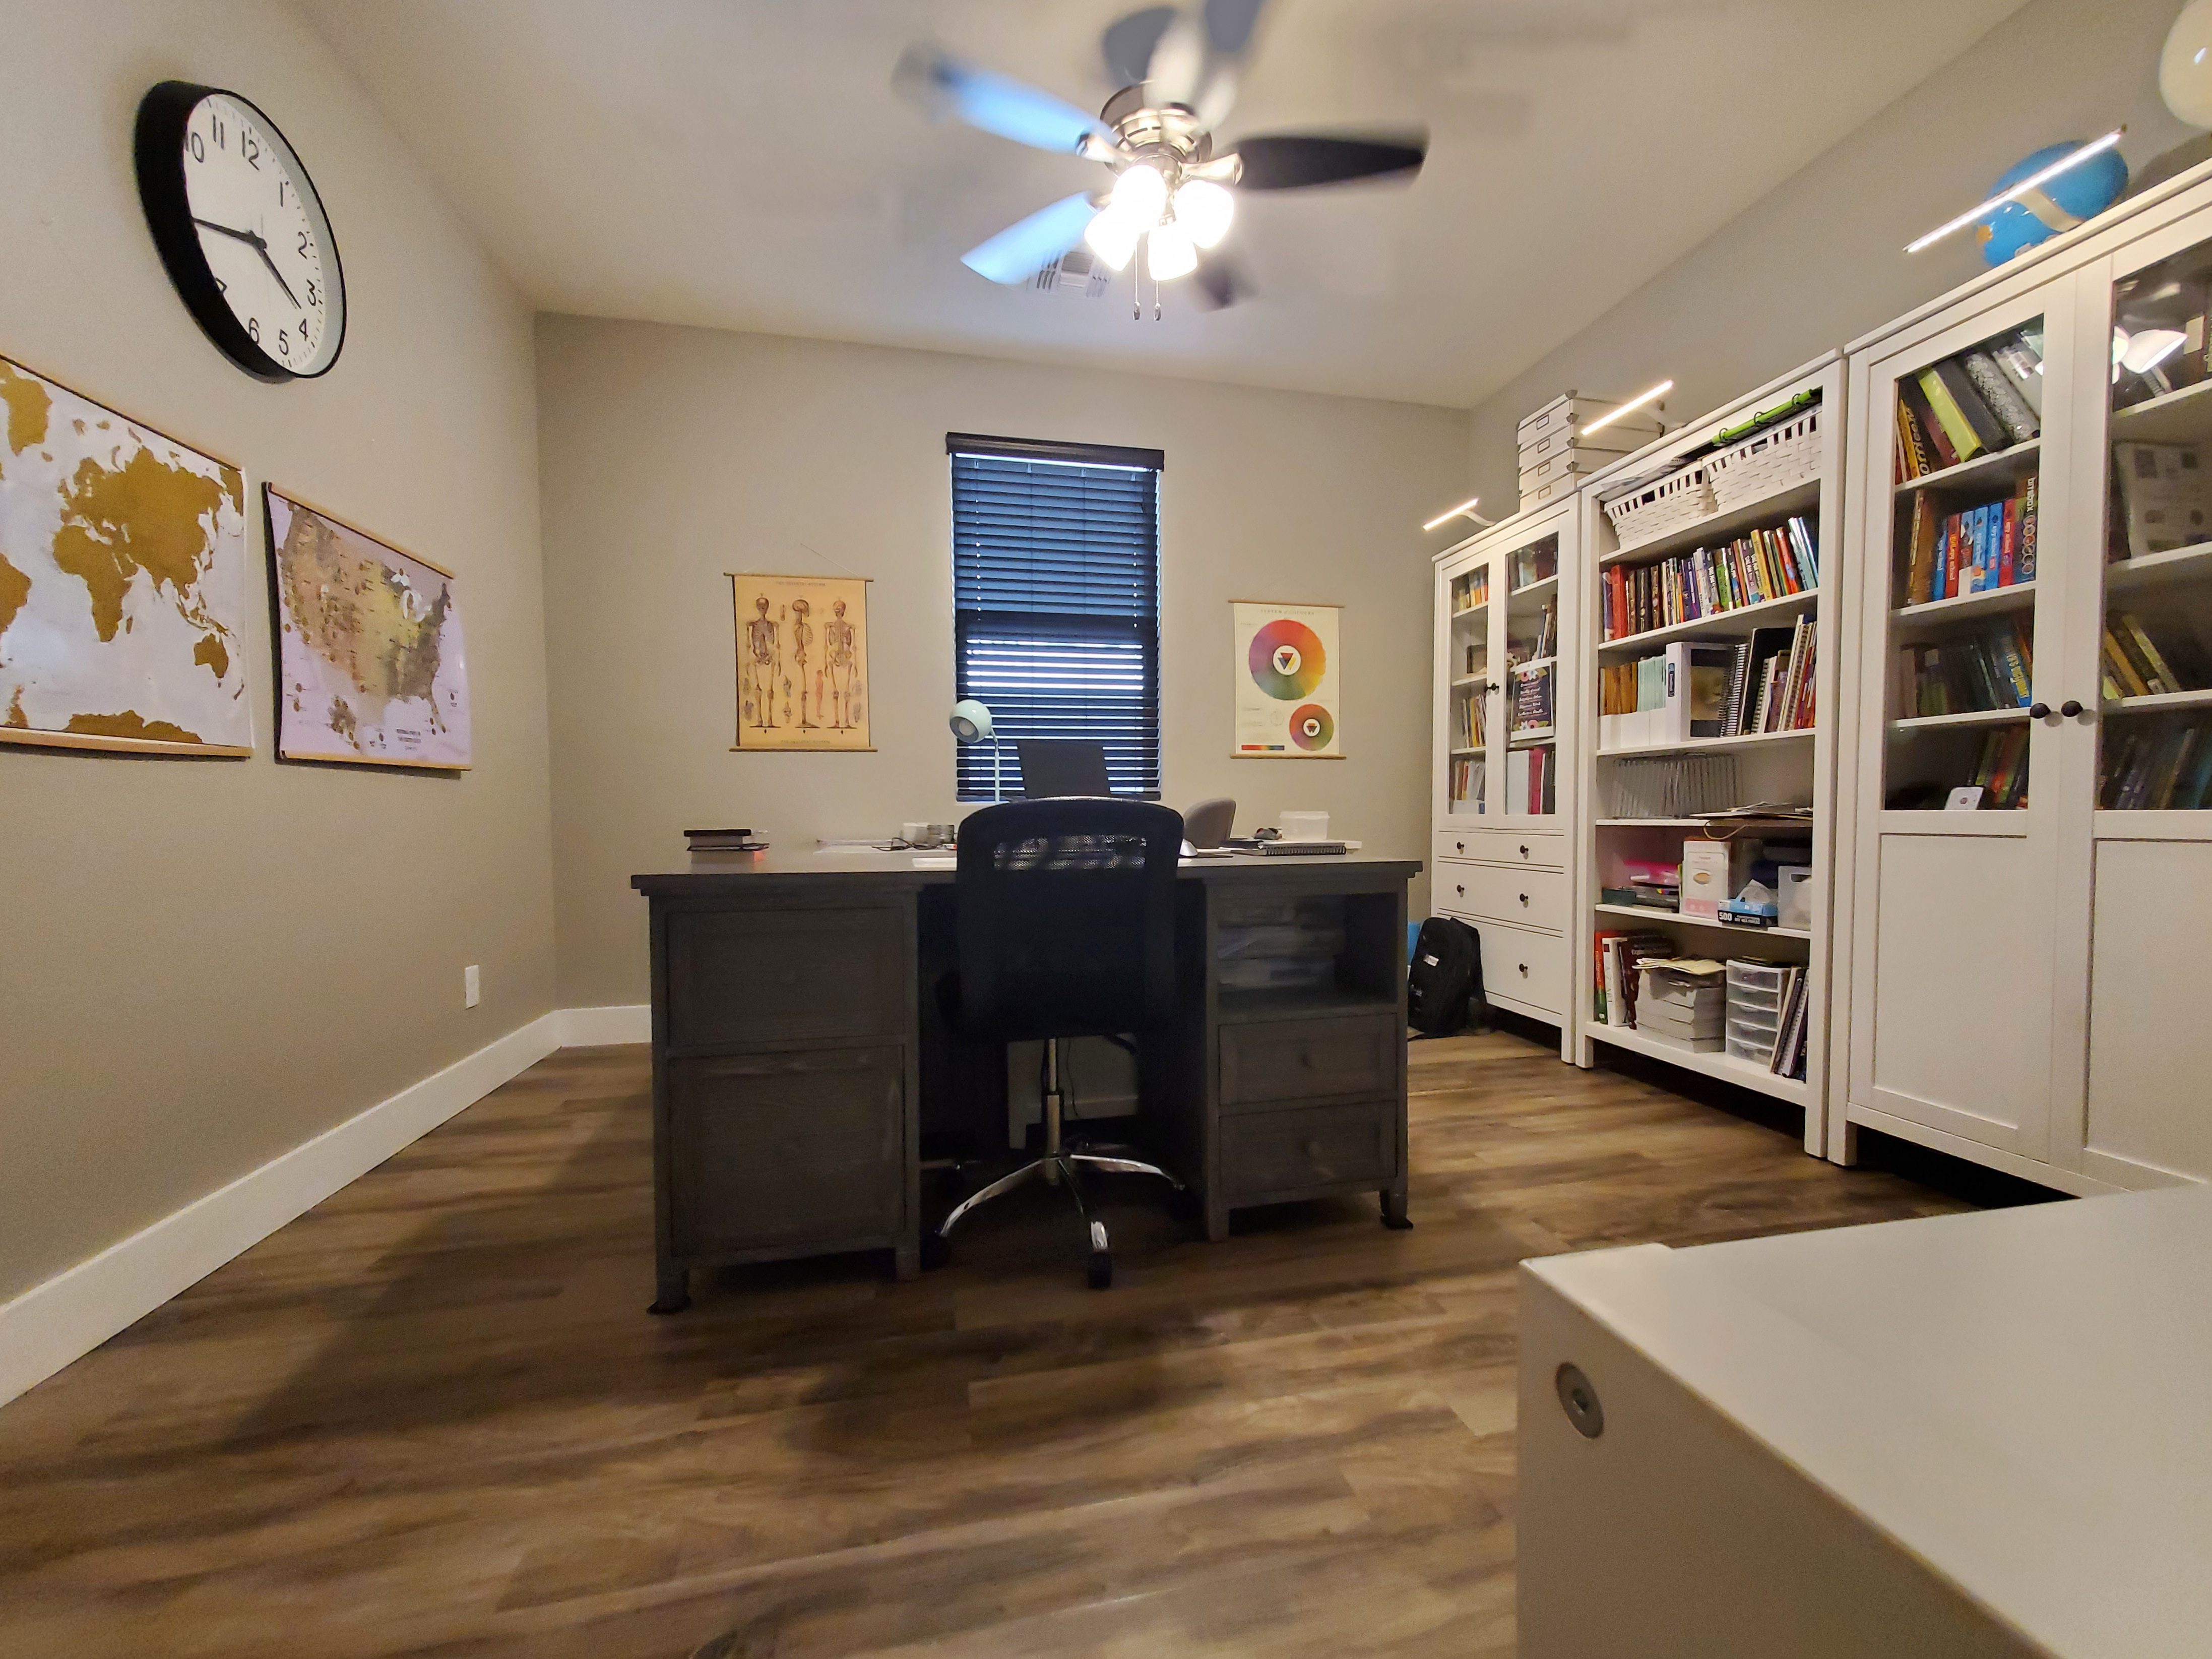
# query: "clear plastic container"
x,y
1755,975
1757,1051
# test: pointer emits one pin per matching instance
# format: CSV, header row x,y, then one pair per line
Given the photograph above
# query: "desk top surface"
x,y
710,872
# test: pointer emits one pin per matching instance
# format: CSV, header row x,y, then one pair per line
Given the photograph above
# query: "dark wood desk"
x,y
800,1058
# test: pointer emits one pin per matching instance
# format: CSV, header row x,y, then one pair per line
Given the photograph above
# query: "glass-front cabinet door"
x,y
2136,710
1529,626
1963,431
1468,689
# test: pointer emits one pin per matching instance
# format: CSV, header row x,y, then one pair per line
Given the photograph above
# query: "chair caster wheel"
x,y
1101,1273
936,1250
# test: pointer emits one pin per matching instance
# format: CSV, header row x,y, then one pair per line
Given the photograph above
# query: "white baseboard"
x,y
591,1027
51,1325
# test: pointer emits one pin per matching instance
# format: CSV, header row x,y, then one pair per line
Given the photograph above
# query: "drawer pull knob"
x,y
1524,898
1461,891
1524,852
1460,845
1524,971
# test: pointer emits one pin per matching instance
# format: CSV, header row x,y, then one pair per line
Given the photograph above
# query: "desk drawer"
x,y
1524,967
1542,848
767,1151
804,974
1491,892
1276,1060
1307,1147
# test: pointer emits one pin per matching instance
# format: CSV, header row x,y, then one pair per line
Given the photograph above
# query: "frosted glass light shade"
x,y
1141,193
1170,254
1204,211
1113,237
2184,67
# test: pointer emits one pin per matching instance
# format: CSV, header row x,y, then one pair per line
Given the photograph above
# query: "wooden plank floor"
x,y
432,1417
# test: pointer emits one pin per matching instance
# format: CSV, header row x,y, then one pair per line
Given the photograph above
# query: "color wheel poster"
x,y
1287,677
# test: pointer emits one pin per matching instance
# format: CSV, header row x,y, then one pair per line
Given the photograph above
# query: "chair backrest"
x,y
1066,917
1056,768
1208,823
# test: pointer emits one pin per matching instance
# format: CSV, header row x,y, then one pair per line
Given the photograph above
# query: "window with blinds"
x,y
1057,610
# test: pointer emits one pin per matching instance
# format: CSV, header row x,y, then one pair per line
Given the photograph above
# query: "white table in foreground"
x,y
1976,1435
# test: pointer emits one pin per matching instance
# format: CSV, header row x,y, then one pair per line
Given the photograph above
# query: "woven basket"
x,y
1661,507
1767,463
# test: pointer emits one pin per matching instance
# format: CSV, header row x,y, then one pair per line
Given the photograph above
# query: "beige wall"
x,y
1820,260
670,456
204,964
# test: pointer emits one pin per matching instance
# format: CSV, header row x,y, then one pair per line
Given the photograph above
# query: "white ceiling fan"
x,y
1171,193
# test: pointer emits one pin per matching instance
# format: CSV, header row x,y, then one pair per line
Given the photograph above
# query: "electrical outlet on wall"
x,y
471,986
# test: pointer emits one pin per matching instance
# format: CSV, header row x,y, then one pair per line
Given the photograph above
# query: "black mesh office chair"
x,y
1067,929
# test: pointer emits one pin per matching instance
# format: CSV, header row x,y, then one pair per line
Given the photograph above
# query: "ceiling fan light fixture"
x,y
1141,192
1170,254
1113,236
1204,211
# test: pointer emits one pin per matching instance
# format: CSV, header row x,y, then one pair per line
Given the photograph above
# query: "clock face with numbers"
x,y
241,230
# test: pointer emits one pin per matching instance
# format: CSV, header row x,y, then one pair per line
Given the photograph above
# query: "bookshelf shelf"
x,y
1533,664
1989,601
1741,620
1470,612
1717,1064
1711,746
1998,466
1721,526
1700,824
2158,701
1536,589
1457,754
1532,736
1466,680
1646,912
2177,418
1969,717
2157,569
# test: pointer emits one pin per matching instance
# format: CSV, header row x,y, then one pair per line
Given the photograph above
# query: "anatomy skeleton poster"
x,y
802,662
1288,677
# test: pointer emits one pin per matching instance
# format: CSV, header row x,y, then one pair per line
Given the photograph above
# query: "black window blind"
x,y
1056,584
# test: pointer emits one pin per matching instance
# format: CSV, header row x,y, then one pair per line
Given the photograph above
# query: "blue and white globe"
x,y
2057,205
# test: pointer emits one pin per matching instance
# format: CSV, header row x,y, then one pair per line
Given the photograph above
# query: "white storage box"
x,y
1573,410
1794,897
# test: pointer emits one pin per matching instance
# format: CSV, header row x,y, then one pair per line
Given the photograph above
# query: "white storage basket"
x,y
1661,507
1766,463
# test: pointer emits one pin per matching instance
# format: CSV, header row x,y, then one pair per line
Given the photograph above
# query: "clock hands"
x,y
258,244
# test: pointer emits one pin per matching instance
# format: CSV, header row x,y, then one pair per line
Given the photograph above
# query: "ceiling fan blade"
x,y
1229,25
1297,161
1128,45
1019,252
994,103
1220,282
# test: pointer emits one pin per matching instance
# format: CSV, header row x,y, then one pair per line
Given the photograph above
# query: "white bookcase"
x,y
2025,980
1505,787
1796,767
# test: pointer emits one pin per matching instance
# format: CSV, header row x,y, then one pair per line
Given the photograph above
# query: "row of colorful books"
x,y
1698,689
2158,766
1993,669
2131,664
1531,781
1766,565
1467,780
2002,771
1988,546
1973,404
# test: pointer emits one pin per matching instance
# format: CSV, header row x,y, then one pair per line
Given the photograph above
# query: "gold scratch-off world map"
x,y
369,664
122,580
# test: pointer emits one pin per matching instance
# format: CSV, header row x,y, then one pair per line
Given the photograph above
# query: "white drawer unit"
x,y
1522,969
1546,849
1534,897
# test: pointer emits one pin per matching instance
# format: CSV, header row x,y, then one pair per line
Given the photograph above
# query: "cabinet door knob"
x,y
2069,708
2040,711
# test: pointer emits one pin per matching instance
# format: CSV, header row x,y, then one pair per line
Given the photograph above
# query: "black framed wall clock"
x,y
241,230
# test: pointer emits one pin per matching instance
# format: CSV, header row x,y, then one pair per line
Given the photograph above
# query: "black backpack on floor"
x,y
1443,988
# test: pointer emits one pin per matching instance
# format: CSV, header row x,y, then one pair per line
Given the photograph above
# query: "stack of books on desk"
x,y
1684,1001
722,840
